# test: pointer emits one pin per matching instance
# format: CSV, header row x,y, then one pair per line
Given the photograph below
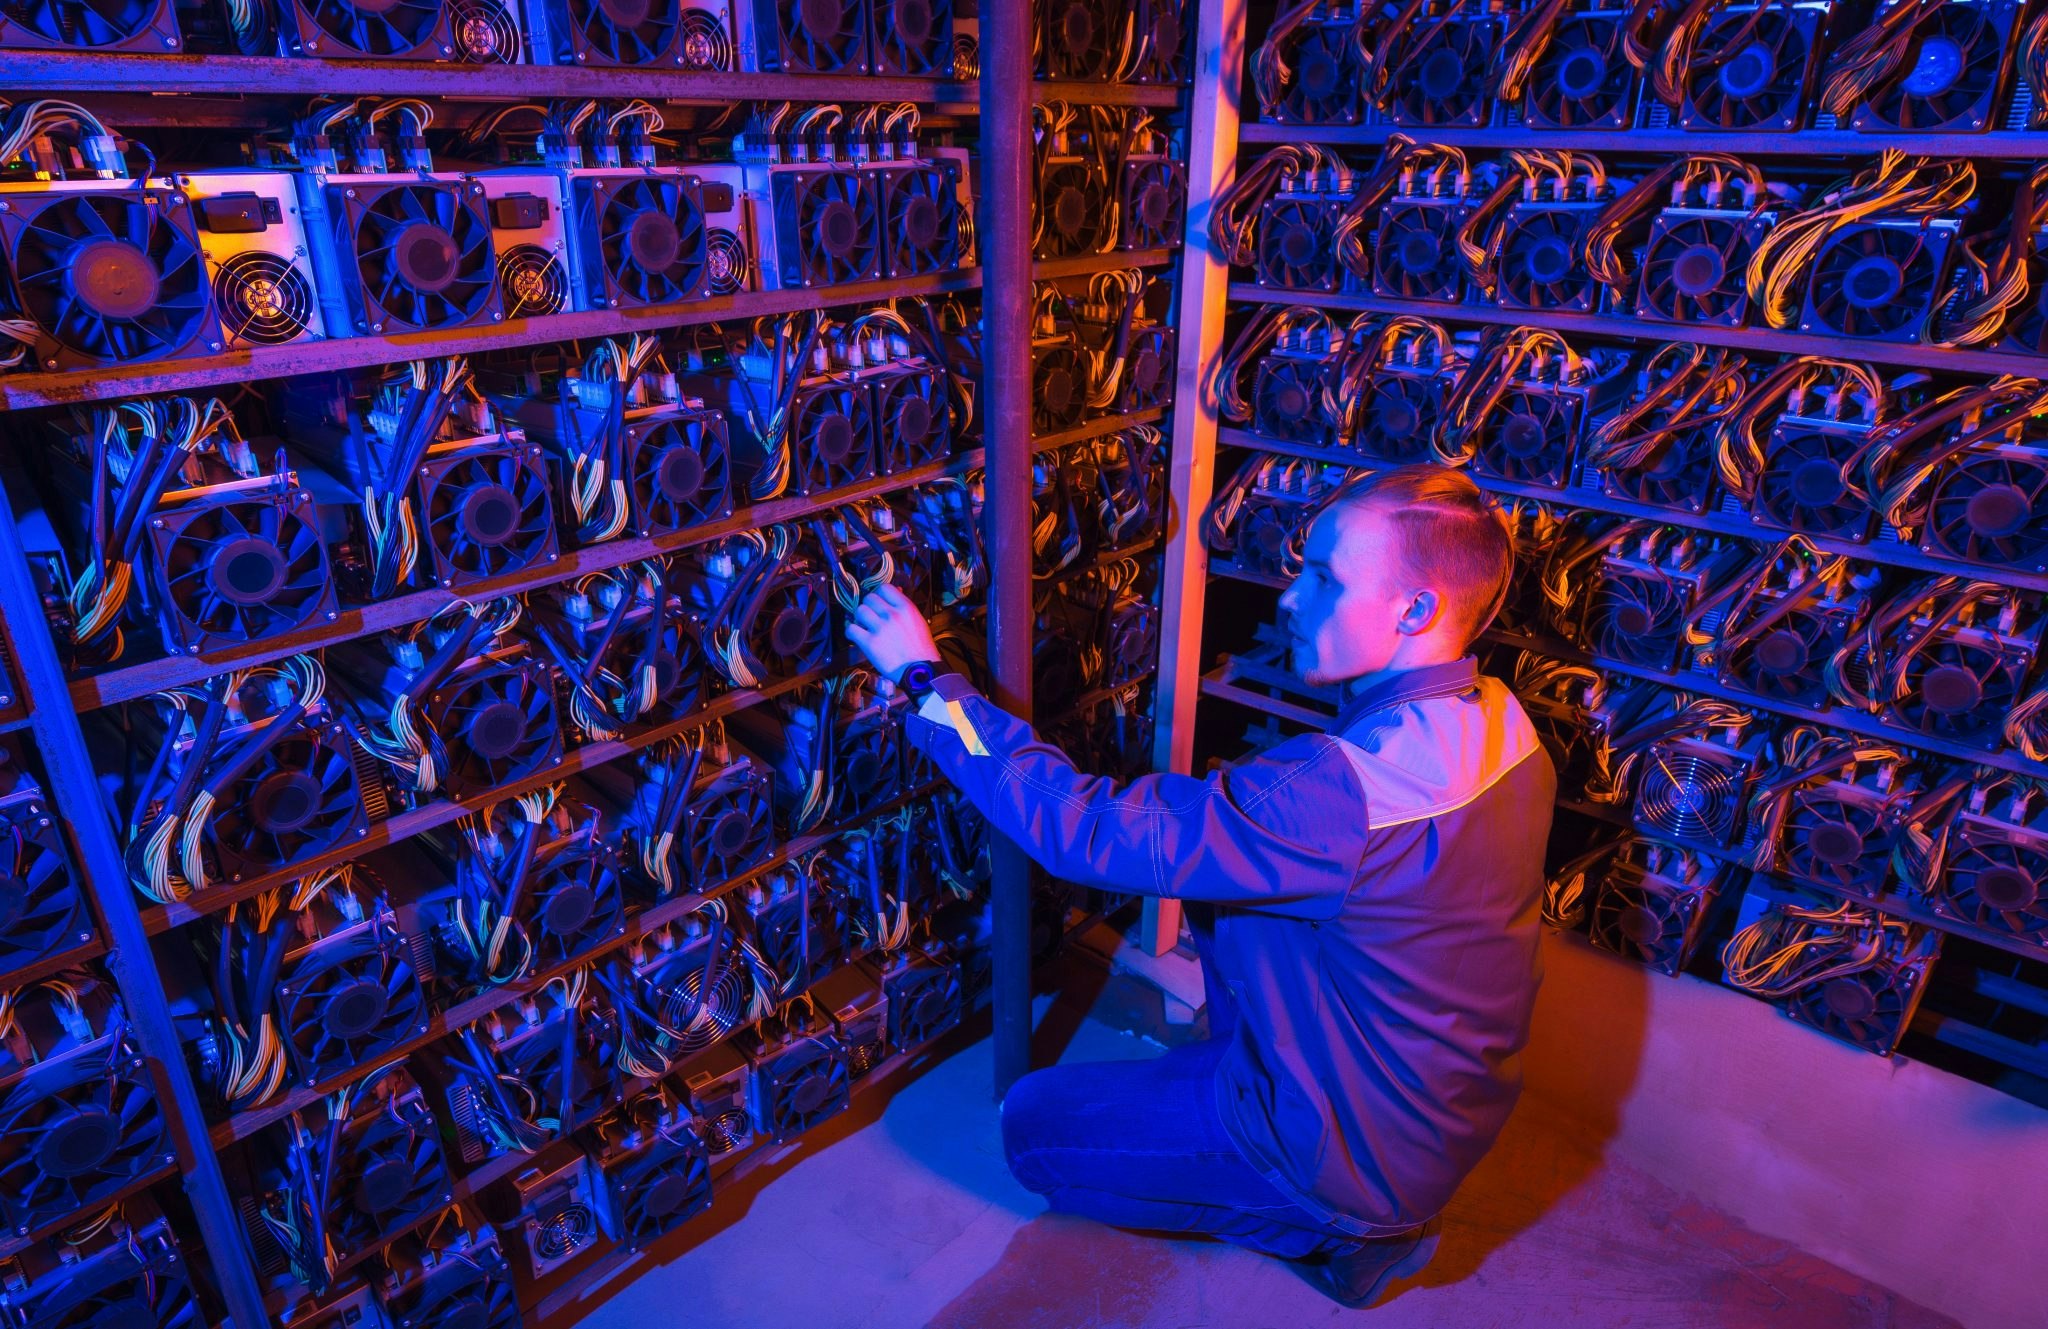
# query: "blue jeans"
x,y
1141,1144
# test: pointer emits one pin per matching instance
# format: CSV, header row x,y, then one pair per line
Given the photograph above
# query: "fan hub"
x,y
1698,270
1817,482
822,20
653,241
790,631
838,228
1782,652
625,14
863,772
912,20
1847,999
1056,391
1951,690
1070,211
496,731
921,222
679,474
913,419
113,279
1548,260
1998,510
1318,73
568,909
1290,401
832,436
1077,29
1153,204
1270,538
80,1143
811,1092
477,38
262,298
1145,371
730,833
1523,435
1582,73
1634,620
1936,67
1442,75
490,514
355,1009
1749,72
384,1186
468,1313
1836,843
1419,252
428,257
1398,419
1166,34
247,570
670,1195
1873,281
2007,889
1640,924
1297,246
668,671
284,801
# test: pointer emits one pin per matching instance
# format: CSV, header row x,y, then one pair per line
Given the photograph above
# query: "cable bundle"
x,y
1794,948
1306,71
395,729
686,987
1660,447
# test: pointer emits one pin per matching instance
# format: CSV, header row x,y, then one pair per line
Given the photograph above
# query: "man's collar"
x,y
1437,680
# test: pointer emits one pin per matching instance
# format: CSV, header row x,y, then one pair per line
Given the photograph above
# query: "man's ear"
x,y
1423,611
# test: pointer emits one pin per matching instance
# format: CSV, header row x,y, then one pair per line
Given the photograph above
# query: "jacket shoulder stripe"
x,y
1435,756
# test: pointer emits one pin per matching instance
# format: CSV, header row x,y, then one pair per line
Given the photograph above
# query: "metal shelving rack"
x,y
1221,129
136,91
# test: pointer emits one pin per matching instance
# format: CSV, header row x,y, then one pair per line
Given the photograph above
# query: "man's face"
x,y
1345,613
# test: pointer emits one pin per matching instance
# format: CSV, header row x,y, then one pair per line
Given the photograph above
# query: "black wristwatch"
x,y
916,682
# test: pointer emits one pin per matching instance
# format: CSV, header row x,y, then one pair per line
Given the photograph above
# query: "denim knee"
x,y
1023,1114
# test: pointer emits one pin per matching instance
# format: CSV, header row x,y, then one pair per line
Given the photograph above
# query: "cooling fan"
x,y
801,932
348,996
1991,509
1870,1008
1784,662
1130,646
797,1083
464,1285
485,32
41,908
496,723
827,226
815,36
370,29
1542,259
488,511
656,1176
1531,437
707,45
577,900
925,999
1637,615
921,218
673,982
913,420
1076,39
1838,835
1297,248
1959,686
558,1212
1950,74
1288,393
1399,416
1414,254
532,282
235,565
123,1276
1583,79
790,630
1880,280
1648,920
144,26
1751,68
730,826
1058,385
297,797
1323,58
386,1170
728,263
1692,792
1074,208
1155,199
646,231
832,433
416,255
615,33
680,470
77,1129
912,38
108,277
1680,474
1807,482
1443,81
1693,263
1994,874
717,1082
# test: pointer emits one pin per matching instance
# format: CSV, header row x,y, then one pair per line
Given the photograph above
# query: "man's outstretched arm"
x,y
1287,829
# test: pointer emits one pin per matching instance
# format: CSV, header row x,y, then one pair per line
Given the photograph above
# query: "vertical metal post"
x,y
75,791
1205,277
1005,230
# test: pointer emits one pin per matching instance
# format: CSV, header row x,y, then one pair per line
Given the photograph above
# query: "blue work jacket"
x,y
1377,892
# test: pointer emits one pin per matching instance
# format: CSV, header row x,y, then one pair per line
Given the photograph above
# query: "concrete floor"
x,y
904,1215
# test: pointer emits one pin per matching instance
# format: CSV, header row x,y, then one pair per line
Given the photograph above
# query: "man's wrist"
x,y
915,680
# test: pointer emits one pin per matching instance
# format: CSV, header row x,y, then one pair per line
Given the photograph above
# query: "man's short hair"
x,y
1452,534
